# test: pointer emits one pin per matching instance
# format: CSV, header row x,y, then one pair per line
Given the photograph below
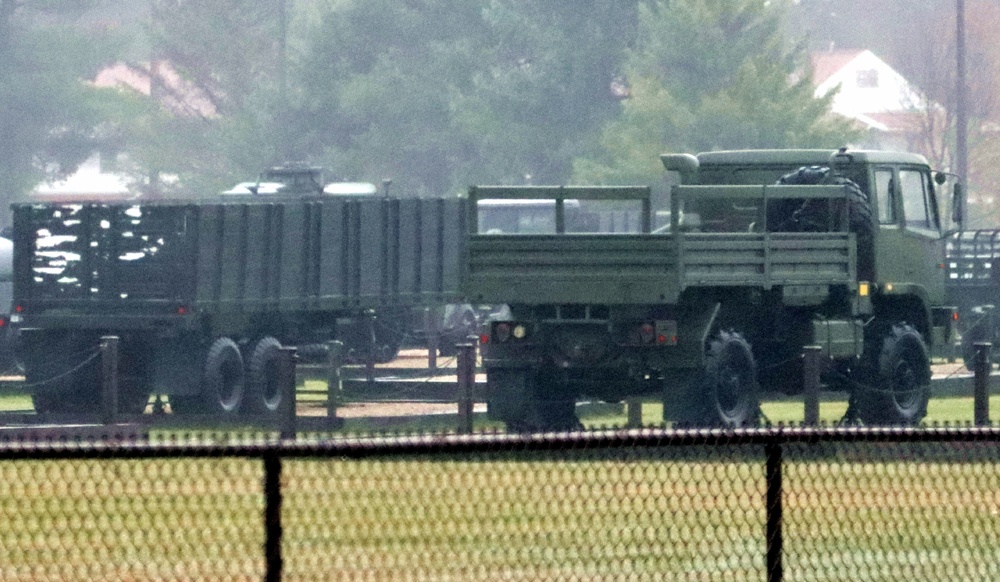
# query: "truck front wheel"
x,y
726,393
896,385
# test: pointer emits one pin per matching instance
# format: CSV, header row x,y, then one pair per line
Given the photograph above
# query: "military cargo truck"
x,y
765,252
972,263
204,294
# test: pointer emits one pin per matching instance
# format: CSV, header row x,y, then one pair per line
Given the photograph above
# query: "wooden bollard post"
x,y
466,381
370,360
109,379
633,407
286,383
811,364
334,362
433,337
981,404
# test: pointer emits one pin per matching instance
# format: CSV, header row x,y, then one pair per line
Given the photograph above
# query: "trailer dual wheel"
x,y
896,382
726,393
264,377
222,382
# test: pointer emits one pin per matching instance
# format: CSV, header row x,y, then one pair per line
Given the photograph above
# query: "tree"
x,y
439,94
711,74
51,119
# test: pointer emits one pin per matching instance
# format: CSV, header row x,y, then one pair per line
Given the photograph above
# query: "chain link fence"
x,y
768,504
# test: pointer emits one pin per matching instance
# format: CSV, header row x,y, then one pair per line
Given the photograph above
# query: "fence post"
x,y
433,337
286,383
109,379
372,346
775,569
810,383
334,361
466,380
981,405
633,407
272,517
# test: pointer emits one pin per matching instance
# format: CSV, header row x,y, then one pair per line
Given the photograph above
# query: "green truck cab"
x,y
765,252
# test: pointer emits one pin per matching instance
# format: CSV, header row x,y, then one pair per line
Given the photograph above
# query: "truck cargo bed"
x,y
650,268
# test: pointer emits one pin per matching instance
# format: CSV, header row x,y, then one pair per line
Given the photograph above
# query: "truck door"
x,y
910,247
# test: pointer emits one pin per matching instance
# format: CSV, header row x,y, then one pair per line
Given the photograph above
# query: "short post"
x,y
109,379
372,346
633,407
286,383
981,405
433,337
466,380
811,364
334,361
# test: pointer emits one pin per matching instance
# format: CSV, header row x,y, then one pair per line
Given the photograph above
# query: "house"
x,y
875,95
157,80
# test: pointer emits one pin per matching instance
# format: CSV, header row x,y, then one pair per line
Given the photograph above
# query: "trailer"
x,y
204,294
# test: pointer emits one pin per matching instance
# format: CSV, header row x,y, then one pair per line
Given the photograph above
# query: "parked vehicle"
x,y
717,306
204,294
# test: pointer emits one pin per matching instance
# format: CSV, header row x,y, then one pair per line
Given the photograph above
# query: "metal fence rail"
x,y
769,504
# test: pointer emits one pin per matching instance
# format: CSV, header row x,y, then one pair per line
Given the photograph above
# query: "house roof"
x,y
828,63
177,93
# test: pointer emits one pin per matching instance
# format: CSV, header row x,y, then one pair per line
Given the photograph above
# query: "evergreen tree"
x,y
711,74
51,119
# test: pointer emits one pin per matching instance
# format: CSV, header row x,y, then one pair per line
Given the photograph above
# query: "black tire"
x,y
813,215
896,380
529,400
263,377
223,378
726,393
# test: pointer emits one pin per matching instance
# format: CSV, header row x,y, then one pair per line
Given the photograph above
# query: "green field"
x,y
870,512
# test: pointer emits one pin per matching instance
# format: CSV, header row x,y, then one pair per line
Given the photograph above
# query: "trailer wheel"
x,y
264,388
896,385
531,400
726,393
223,378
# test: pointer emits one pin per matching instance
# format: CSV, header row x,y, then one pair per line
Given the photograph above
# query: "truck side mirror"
x,y
958,204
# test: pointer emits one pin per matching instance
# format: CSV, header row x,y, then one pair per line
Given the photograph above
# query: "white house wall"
x,y
891,94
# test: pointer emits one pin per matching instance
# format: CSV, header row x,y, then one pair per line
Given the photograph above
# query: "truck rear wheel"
x,y
896,383
726,393
531,400
263,386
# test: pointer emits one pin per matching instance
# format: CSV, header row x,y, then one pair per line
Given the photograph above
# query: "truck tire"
x,y
726,393
530,400
896,383
222,382
263,387
812,216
